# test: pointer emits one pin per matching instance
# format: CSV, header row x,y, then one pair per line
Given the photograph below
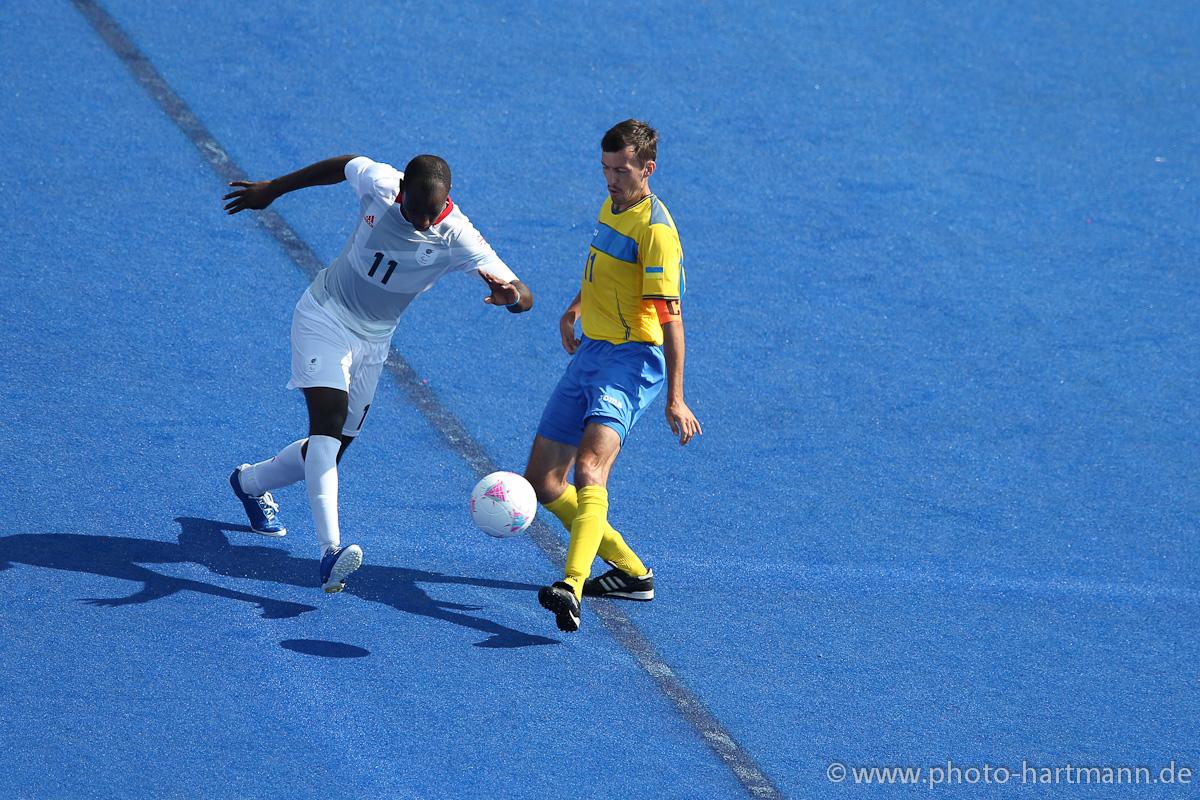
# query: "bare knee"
x,y
597,453
590,471
549,462
547,487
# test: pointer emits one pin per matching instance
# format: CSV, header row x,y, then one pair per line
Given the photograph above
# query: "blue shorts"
x,y
612,384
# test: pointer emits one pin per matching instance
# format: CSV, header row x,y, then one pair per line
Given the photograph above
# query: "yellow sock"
x,y
614,550
565,507
586,532
612,547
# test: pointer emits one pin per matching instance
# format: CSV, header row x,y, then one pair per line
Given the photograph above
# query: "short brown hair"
x,y
632,133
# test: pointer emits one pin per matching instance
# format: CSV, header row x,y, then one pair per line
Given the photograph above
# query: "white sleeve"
x,y
373,178
471,251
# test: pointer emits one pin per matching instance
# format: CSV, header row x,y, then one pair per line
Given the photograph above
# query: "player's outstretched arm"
x,y
257,195
566,324
681,419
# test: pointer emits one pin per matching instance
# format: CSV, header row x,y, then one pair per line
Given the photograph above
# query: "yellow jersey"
x,y
635,258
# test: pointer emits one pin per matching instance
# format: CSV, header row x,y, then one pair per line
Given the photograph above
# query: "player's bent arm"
x,y
679,416
573,313
258,195
566,324
576,304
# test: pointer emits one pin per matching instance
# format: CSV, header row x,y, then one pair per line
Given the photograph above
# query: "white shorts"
x,y
324,353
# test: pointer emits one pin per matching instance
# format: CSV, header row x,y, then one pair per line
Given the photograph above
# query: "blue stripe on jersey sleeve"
x,y
614,244
654,269
659,215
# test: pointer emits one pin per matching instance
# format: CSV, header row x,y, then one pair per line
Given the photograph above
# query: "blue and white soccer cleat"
x,y
263,511
337,564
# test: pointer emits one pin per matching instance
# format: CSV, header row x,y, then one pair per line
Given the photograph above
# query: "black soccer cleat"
x,y
618,583
559,598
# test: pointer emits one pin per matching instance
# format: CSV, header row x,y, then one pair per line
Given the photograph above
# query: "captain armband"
x,y
668,310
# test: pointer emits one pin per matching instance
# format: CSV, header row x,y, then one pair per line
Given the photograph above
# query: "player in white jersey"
x,y
409,234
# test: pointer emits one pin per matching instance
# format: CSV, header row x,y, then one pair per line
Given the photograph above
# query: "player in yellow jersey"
x,y
632,342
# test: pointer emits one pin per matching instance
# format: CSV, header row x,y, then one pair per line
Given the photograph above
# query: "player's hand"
x,y
566,329
682,421
503,292
255,195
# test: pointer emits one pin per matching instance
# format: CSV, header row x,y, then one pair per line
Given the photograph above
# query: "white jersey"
x,y
387,262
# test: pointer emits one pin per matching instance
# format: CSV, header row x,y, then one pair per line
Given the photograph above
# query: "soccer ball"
x,y
503,504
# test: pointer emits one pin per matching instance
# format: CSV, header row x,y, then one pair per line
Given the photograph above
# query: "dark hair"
x,y
426,173
632,133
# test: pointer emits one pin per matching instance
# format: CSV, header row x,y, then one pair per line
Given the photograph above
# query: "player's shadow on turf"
x,y
203,542
397,587
123,557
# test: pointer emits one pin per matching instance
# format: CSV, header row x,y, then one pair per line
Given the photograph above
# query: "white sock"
x,y
321,479
276,472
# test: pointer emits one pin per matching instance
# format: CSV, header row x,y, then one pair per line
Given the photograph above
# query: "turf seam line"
x,y
457,437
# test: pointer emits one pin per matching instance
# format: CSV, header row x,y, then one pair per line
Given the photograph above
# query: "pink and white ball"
x,y
503,504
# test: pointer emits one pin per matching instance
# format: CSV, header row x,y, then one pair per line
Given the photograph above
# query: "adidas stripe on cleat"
x,y
621,585
560,599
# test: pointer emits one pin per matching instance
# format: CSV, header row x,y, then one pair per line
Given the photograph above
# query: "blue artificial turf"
x,y
941,321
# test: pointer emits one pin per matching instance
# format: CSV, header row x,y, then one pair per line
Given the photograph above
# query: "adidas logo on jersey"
x,y
370,220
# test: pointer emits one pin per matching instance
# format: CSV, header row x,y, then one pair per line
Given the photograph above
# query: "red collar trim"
x,y
445,211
